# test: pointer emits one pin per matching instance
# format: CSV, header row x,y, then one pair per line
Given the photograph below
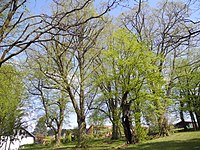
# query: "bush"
x,y
87,140
140,133
68,137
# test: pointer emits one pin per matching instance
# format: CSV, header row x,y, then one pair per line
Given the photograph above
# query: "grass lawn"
x,y
176,141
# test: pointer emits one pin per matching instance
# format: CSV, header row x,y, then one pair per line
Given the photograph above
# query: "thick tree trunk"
x,y
61,120
193,120
58,135
182,116
127,124
81,131
57,138
59,132
183,120
115,131
115,123
198,119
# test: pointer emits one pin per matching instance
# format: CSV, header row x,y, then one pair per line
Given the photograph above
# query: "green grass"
x,y
95,144
176,141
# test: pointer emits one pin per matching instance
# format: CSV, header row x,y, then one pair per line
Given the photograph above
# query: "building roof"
x,y
28,133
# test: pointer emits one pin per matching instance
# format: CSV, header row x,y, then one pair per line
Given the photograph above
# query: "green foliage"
x,y
187,89
11,100
141,133
41,128
128,62
97,118
68,137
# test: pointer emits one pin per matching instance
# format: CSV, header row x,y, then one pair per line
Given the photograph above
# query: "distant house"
x,y
181,124
22,137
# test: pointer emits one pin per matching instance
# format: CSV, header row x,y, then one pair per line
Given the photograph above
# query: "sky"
x,y
43,6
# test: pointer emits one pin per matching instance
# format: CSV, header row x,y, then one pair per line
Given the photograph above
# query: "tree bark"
x,y
57,138
115,131
182,116
115,121
198,119
193,120
81,130
127,128
127,123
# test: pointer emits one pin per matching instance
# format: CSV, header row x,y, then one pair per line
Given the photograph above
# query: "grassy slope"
x,y
177,141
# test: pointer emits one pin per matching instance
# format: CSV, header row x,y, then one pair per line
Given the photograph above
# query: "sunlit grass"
x,y
176,141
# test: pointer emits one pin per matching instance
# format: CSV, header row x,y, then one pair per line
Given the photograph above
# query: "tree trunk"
x,y
60,120
182,116
115,131
198,119
127,123
81,131
115,123
58,134
193,120
57,138
127,128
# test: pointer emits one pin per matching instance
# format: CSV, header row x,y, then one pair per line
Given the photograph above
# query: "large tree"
x,y
11,102
125,70
71,52
52,100
168,30
187,89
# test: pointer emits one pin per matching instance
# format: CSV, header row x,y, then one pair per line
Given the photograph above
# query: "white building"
x,y
22,137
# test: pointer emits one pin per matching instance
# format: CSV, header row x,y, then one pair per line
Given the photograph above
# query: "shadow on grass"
x,y
88,148
37,147
193,144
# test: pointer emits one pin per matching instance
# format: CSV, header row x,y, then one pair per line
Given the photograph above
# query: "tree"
x,y
187,86
41,128
168,32
124,71
52,99
71,52
11,102
97,118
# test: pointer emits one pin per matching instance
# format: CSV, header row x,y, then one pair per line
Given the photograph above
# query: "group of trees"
x,y
133,72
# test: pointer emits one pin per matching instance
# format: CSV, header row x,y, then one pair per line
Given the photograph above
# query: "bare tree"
x,y
70,54
52,100
17,29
